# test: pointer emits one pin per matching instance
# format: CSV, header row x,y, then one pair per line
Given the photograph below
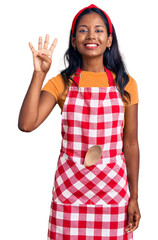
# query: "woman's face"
x,y
91,36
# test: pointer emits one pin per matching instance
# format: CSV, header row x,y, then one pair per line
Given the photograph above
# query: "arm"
x,y
37,104
131,152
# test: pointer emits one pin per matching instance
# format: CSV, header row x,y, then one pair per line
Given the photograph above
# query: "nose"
x,y
91,34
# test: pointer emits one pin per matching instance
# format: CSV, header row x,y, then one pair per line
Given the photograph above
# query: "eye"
x,y
98,30
83,30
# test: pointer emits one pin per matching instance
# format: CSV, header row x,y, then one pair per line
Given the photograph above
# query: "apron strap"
x,y
109,75
77,77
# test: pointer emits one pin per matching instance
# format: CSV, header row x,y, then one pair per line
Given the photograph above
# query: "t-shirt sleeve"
x,y
55,86
132,89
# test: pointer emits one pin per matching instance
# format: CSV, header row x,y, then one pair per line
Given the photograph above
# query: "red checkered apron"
x,y
90,202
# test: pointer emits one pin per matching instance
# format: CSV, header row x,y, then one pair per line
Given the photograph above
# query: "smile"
x,y
91,45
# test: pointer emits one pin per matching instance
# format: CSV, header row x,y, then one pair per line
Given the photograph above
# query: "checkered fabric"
x,y
88,222
92,116
90,202
99,184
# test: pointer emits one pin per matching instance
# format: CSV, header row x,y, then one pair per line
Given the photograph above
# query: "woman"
x,y
99,105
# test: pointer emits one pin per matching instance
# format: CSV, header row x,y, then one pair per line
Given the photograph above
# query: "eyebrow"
x,y
99,26
95,26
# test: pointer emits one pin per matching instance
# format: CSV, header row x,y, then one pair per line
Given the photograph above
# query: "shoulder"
x,y
58,79
60,85
55,86
132,89
132,84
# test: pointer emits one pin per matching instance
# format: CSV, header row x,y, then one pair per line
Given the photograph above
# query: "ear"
x,y
109,41
73,41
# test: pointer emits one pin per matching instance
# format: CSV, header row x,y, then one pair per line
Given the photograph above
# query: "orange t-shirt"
x,y
88,79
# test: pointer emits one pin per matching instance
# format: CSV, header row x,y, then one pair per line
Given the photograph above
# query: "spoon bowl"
x,y
93,155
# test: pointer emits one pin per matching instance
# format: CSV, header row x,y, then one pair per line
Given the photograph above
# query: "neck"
x,y
92,65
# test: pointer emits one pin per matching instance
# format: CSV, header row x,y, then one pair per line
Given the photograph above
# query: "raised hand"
x,y
42,58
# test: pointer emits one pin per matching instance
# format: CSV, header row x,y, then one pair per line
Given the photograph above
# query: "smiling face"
x,y
91,36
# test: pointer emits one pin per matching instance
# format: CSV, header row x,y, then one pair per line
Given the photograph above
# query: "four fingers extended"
x,y
40,43
32,48
53,45
46,42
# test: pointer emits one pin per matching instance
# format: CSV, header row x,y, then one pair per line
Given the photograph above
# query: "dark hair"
x,y
112,59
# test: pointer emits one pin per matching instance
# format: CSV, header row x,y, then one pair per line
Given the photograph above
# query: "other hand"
x,y
133,215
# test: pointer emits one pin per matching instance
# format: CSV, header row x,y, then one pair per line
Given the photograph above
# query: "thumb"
x,y
44,57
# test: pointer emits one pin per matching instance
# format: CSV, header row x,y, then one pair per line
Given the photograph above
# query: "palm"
x,y
42,62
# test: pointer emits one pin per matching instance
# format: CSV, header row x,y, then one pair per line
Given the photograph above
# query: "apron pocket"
x,y
110,184
98,184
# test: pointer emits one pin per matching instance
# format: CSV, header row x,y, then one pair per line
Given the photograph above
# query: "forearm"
x,y
131,152
29,109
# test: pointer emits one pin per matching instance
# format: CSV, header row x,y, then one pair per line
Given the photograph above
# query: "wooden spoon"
x,y
92,155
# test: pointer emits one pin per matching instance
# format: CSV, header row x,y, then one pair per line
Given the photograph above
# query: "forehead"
x,y
91,19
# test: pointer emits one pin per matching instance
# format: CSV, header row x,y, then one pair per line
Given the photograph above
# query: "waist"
x,y
103,160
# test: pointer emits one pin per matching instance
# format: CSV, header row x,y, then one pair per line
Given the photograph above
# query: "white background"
x,y
28,160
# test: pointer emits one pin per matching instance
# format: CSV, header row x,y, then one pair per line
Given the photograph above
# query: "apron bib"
x,y
90,202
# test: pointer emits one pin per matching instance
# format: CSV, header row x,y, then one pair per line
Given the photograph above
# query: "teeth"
x,y
91,45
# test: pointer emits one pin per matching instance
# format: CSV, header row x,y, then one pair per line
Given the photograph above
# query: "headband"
x,y
90,6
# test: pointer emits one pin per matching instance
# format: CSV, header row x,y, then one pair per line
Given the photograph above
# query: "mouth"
x,y
91,45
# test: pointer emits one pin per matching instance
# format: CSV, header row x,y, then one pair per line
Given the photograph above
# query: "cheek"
x,y
79,38
104,38
79,43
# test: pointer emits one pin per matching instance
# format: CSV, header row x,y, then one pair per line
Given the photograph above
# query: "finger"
x,y
134,227
46,42
44,57
129,227
53,45
130,222
40,43
136,223
32,48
